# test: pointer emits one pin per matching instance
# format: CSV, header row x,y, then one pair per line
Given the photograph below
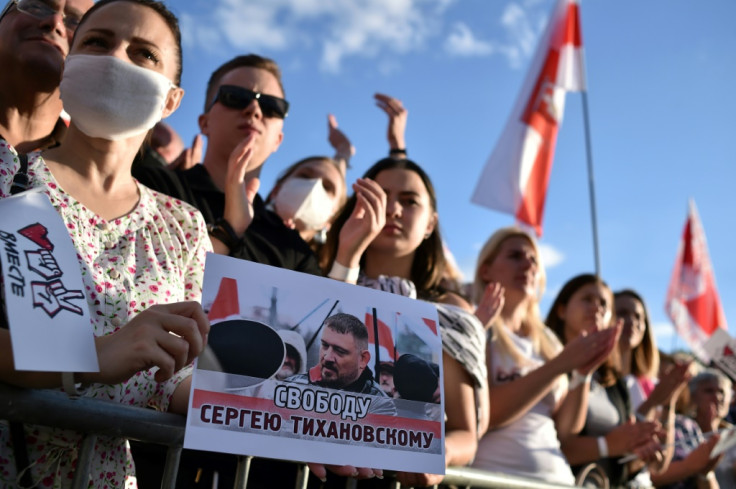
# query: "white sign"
x,y
721,349
44,297
290,371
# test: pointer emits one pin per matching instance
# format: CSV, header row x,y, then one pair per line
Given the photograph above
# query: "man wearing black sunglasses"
x,y
34,40
243,121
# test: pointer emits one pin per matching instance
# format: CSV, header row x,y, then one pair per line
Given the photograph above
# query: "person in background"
x,y
695,437
583,305
295,359
309,193
34,40
142,253
532,402
166,142
243,121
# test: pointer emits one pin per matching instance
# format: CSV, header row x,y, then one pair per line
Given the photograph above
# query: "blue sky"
x,y
660,75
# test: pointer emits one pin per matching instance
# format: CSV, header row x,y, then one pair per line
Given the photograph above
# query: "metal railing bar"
x,y
104,418
84,462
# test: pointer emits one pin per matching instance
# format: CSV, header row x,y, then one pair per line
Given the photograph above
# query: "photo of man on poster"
x,y
343,362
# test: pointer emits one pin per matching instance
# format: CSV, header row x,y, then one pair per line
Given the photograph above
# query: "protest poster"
x,y
43,294
304,368
721,349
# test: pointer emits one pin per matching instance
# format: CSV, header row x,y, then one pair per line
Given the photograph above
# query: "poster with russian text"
x,y
311,369
44,301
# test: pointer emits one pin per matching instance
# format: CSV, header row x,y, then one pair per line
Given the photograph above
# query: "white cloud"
x,y
462,42
551,256
520,37
339,28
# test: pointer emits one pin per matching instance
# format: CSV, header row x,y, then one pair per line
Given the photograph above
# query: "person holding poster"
x,y
387,237
141,253
532,401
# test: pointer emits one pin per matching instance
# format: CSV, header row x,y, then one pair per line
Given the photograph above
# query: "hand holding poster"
x,y
292,371
44,297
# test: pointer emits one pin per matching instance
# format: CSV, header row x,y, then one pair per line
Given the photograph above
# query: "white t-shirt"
x,y
528,447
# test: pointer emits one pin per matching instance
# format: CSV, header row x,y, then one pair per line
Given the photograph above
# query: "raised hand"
x,y
189,157
364,224
339,141
239,191
491,304
671,383
586,352
397,116
632,436
167,336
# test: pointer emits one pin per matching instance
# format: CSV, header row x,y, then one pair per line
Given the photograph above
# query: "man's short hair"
x,y
243,61
348,324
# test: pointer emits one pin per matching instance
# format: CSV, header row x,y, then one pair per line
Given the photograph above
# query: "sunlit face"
x,y
131,32
589,309
135,34
41,44
712,397
225,128
341,360
409,214
515,267
632,312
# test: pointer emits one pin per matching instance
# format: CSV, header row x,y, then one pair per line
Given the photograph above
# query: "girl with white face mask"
x,y
142,253
308,194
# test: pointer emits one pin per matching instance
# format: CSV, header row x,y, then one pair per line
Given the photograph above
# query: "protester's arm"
x,y
144,342
621,440
697,462
344,150
512,400
239,195
397,116
364,224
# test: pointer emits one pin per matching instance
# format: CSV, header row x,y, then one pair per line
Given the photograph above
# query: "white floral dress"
x,y
151,256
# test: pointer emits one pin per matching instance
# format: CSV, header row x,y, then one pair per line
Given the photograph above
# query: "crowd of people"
x,y
582,396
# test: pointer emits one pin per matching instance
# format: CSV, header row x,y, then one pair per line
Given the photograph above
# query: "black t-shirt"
x,y
267,240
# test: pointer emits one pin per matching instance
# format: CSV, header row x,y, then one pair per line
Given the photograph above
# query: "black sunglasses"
x,y
235,97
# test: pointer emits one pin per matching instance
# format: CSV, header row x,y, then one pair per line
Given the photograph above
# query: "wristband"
x,y
397,151
72,389
578,379
602,447
341,272
708,476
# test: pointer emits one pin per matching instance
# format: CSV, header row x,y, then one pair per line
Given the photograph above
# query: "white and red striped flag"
x,y
692,298
515,177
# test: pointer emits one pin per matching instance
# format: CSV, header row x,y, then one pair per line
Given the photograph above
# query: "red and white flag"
x,y
515,177
692,298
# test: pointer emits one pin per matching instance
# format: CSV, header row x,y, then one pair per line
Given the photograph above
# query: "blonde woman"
x,y
532,402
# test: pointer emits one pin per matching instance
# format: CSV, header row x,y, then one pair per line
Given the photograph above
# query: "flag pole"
x,y
591,183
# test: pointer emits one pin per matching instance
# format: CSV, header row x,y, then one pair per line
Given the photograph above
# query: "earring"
x,y
426,236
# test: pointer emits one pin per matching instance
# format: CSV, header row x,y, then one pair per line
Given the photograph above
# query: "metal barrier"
x,y
94,417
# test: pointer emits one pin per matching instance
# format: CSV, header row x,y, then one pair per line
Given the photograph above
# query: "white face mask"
x,y
109,98
305,201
